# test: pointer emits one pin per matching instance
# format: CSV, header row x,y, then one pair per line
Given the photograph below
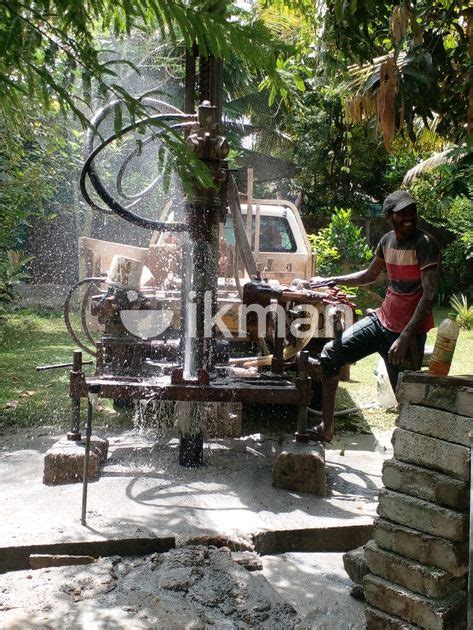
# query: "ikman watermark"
x,y
148,324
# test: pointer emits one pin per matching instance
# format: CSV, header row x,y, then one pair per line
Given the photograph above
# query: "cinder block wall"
x,y
418,560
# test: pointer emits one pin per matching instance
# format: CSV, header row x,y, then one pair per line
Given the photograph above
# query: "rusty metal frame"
x,y
276,390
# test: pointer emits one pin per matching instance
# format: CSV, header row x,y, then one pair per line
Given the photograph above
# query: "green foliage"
x,y
336,166
36,162
434,64
49,45
12,273
405,154
464,311
341,244
65,50
445,200
70,55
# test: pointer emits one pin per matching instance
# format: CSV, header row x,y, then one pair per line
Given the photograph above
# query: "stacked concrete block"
x,y
300,467
418,559
64,461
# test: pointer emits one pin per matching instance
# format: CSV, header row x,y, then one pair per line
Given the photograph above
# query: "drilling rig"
x,y
190,361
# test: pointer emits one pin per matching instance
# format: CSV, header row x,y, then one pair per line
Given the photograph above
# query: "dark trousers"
x,y
360,340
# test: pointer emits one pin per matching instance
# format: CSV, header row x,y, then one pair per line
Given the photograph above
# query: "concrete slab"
x,y
144,492
318,587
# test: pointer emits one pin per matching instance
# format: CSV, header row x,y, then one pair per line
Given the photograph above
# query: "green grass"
x,y
30,398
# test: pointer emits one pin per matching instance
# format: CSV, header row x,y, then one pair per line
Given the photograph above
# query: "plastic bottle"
x,y
444,348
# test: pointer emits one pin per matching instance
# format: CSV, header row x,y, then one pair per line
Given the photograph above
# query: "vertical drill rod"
x,y
85,480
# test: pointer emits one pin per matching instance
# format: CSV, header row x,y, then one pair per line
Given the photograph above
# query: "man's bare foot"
x,y
320,434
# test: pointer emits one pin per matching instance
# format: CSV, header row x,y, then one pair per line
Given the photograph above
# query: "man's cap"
x,y
398,200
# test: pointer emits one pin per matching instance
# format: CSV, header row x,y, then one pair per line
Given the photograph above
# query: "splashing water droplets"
x,y
154,415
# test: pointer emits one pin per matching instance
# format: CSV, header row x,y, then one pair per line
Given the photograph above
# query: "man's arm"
x,y
365,276
429,279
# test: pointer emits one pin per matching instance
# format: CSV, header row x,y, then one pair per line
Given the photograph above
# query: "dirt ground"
x,y
194,587
144,492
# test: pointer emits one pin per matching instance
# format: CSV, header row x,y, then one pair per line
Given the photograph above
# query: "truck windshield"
x,y
275,234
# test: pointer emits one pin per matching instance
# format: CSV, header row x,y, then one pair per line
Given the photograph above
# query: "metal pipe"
x,y
83,315
85,477
189,96
92,398
74,434
242,247
57,366
303,382
277,362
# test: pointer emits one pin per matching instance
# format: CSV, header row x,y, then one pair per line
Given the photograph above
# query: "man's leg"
x,y
411,362
357,342
329,392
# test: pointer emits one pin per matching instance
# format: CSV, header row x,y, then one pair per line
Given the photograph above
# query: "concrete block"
x,y
432,614
64,461
357,593
436,423
355,564
426,484
464,401
454,399
448,458
301,467
422,515
378,620
430,550
429,581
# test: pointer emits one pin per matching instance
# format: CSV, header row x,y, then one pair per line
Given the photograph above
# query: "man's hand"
x,y
398,351
318,281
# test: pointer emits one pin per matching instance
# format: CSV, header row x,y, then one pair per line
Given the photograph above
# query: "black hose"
x,y
83,315
110,201
67,319
91,134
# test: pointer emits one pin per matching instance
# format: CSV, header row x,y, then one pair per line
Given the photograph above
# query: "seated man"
x,y
270,239
411,258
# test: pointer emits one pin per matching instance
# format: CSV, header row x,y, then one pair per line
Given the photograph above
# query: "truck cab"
x,y
276,234
278,240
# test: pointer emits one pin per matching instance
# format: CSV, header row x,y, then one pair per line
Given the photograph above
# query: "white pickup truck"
x,y
279,245
277,236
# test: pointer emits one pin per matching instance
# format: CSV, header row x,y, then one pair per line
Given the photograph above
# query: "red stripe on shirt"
x,y
403,272
397,309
